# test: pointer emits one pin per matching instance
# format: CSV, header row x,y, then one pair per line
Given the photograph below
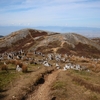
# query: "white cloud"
x,y
48,12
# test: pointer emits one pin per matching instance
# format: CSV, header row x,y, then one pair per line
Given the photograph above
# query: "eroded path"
x,y
42,93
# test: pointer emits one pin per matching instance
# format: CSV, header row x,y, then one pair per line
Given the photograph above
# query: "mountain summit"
x,y
49,42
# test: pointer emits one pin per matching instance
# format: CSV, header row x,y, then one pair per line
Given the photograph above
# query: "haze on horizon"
x,y
63,13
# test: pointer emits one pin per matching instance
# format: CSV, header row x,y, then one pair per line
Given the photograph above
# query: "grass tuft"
x,y
24,68
58,85
4,67
87,85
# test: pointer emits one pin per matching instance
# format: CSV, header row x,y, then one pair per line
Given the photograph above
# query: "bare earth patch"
x,y
42,93
24,84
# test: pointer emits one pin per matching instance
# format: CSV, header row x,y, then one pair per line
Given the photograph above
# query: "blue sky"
x,y
78,13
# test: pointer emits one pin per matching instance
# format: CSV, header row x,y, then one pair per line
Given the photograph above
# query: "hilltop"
x,y
36,64
44,41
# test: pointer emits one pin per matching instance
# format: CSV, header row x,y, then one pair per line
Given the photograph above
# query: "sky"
x,y
74,13
47,14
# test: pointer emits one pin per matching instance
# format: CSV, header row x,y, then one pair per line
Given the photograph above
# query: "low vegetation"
x,y
37,54
6,78
76,85
58,85
18,81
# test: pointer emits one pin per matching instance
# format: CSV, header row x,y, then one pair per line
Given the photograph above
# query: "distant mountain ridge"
x,y
1,36
49,42
85,31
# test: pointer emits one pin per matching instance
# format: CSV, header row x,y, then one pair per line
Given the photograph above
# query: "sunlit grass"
x,y
58,85
6,78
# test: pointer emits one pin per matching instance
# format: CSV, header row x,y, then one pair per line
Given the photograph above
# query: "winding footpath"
x,y
42,93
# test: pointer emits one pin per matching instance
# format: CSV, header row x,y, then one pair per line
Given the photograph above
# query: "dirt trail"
x,y
42,93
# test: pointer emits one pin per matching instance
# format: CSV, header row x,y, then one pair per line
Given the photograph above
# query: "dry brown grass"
x,y
94,67
11,61
90,86
54,44
80,59
4,67
27,83
97,68
24,68
64,89
75,85
19,63
98,62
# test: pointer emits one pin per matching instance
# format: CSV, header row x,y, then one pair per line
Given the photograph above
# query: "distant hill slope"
x,y
31,39
1,36
96,40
